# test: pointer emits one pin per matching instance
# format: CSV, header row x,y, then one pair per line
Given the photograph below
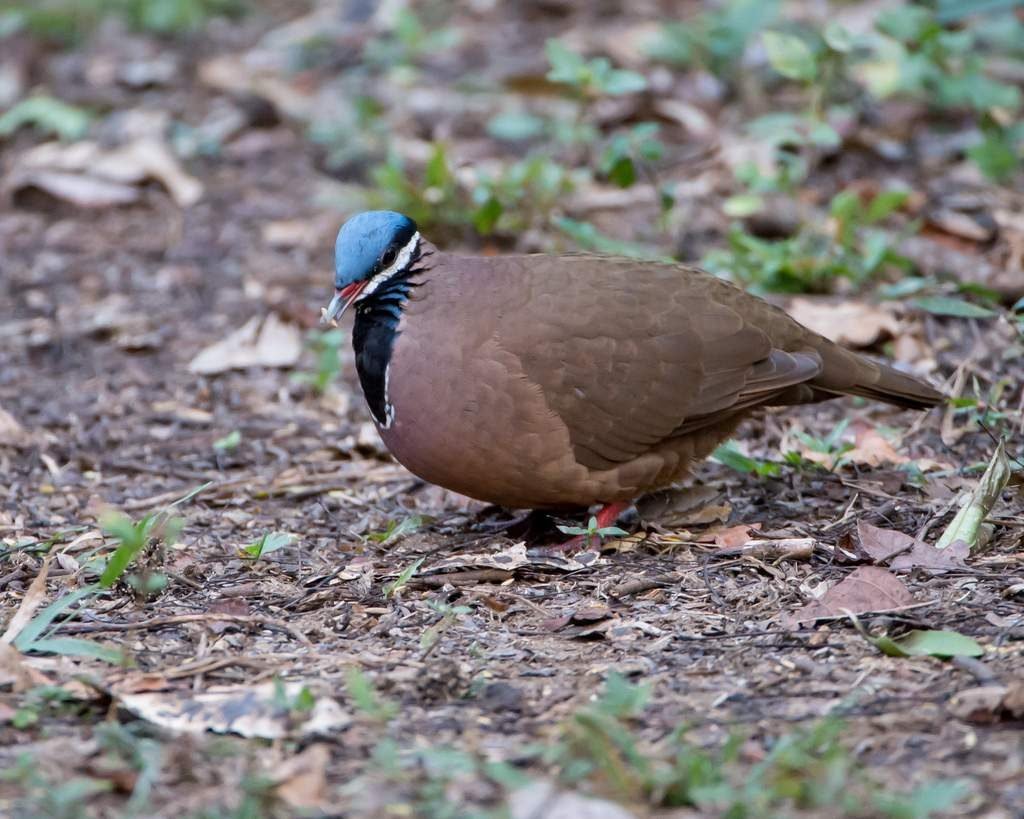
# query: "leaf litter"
x,y
109,306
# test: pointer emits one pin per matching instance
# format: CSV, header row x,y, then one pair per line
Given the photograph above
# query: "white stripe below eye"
x,y
404,255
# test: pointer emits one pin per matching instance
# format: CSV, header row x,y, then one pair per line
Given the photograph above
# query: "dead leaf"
x,y
250,711
731,536
881,544
87,174
872,449
866,589
266,343
32,600
16,673
302,780
847,322
11,432
925,556
988,704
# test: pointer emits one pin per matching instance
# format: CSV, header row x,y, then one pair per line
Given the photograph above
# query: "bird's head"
x,y
372,247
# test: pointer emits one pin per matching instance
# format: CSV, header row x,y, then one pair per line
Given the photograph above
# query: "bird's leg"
x,y
606,516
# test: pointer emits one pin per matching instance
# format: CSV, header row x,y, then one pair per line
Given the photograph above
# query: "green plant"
x,y
399,583
728,454
396,530
326,347
831,445
70,20
48,115
410,39
449,615
589,79
267,543
366,699
592,530
849,247
715,39
625,152
228,442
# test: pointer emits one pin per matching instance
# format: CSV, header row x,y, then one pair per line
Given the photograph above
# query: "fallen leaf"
x,y
246,710
32,600
731,536
864,590
11,432
881,544
18,674
870,448
87,174
301,781
926,556
988,704
852,323
258,343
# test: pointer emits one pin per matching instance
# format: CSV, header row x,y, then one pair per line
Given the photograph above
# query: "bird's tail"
x,y
848,373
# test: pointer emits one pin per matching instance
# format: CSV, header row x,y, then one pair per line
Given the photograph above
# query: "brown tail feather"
x,y
848,373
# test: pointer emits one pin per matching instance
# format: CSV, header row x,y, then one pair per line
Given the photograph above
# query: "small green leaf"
x,y
742,205
228,442
75,647
838,38
620,81
34,629
269,542
929,644
400,582
790,56
884,204
515,125
47,114
950,306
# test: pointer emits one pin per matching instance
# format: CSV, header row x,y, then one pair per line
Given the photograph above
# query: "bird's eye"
x,y
389,257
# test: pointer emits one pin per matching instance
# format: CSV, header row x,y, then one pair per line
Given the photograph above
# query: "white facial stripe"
x,y
404,255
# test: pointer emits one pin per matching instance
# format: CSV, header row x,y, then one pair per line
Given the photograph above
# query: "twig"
x,y
179,619
642,584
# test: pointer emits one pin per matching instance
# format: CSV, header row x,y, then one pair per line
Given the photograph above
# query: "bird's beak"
x,y
342,300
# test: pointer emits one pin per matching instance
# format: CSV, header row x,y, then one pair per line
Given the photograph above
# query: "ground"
x,y
493,649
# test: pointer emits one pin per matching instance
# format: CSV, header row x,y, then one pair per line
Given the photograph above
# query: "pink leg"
x,y
608,514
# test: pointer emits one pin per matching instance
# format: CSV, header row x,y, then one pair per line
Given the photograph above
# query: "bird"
x,y
561,382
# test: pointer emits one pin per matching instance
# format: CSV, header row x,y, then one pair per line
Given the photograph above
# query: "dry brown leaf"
x,y
848,322
989,704
731,536
302,780
925,556
11,432
32,600
866,589
881,544
266,343
16,673
87,174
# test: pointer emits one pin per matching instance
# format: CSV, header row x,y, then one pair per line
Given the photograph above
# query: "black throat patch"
x,y
374,334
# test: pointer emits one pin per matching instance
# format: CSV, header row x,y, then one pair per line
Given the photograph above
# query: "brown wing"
x,y
629,354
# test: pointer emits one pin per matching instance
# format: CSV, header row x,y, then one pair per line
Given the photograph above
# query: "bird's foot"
x,y
605,519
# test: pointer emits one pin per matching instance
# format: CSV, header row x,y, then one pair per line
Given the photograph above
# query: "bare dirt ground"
x,y
490,647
